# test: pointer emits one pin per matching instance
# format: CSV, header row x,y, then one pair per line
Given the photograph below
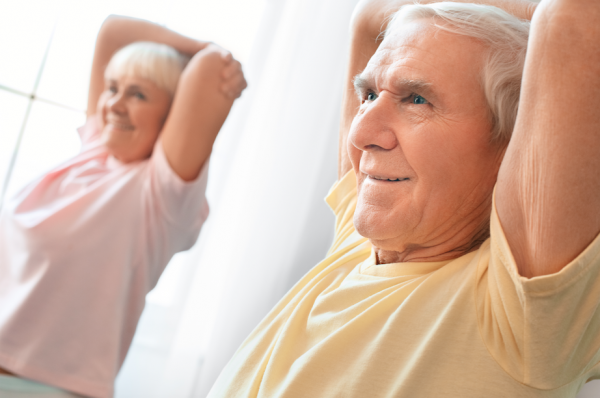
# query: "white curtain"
x,y
271,167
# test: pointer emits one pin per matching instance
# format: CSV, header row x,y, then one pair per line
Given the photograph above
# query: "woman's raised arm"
x,y
117,32
206,90
209,84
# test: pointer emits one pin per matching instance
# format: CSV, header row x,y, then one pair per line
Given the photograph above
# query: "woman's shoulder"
x,y
89,133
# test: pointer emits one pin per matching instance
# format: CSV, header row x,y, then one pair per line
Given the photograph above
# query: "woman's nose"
x,y
116,104
372,128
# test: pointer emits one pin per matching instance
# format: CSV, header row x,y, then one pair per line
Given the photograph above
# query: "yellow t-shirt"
x,y
470,327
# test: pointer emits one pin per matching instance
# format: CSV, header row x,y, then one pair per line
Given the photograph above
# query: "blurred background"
x,y
272,164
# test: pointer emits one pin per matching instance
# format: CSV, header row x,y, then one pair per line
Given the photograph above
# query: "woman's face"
x,y
132,112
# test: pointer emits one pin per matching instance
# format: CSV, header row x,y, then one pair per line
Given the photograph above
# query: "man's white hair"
x,y
506,39
159,63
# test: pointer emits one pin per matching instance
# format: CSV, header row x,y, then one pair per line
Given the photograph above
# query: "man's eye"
x,y
371,97
417,99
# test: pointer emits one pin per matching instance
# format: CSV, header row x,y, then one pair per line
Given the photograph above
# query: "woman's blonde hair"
x,y
506,39
159,63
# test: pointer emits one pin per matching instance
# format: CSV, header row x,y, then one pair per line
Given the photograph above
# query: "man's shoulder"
x,y
342,199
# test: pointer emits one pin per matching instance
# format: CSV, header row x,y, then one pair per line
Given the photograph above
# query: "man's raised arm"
x,y
369,20
548,192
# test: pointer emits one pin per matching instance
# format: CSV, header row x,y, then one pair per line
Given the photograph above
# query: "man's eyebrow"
x,y
416,86
412,84
362,84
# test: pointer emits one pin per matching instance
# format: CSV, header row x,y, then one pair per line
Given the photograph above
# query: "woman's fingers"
x,y
227,57
234,86
225,54
231,70
233,80
232,77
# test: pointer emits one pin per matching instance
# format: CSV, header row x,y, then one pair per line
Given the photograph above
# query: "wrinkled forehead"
x,y
420,50
403,41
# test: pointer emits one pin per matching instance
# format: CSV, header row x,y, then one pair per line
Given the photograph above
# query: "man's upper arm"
x,y
363,44
548,192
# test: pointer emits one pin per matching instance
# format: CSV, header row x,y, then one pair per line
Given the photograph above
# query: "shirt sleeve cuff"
x,y
545,284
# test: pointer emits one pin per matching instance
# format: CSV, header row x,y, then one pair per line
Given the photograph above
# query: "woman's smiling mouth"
x,y
121,126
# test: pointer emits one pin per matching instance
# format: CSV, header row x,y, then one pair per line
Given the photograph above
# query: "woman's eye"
x,y
371,97
417,99
140,96
112,89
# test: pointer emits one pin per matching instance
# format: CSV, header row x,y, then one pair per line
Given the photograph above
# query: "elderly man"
x,y
465,261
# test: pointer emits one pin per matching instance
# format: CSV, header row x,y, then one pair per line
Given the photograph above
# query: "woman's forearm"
x,y
117,32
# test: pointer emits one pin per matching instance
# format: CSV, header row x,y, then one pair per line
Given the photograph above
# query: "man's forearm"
x,y
372,16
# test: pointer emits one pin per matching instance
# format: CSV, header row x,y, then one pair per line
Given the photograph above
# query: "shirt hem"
x,y
70,384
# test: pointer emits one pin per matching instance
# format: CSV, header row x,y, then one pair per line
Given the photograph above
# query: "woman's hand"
x,y
232,77
206,91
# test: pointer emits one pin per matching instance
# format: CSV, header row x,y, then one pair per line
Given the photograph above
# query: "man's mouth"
x,y
388,179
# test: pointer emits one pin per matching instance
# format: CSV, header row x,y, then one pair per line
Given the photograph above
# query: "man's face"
x,y
420,144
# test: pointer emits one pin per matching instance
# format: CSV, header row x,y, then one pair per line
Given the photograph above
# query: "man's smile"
x,y
390,179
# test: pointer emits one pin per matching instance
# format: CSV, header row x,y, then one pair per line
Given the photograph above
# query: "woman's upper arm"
x,y
199,109
103,52
548,192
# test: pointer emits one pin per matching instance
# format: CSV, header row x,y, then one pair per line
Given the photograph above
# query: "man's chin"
x,y
381,236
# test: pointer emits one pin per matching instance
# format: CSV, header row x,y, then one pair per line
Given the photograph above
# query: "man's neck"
x,y
442,252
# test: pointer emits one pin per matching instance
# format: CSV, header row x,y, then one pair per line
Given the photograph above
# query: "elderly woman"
x,y
81,246
466,257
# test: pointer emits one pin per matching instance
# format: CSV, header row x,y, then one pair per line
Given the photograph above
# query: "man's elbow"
x,y
568,19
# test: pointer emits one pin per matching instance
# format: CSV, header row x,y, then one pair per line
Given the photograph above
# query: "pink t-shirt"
x,y
80,248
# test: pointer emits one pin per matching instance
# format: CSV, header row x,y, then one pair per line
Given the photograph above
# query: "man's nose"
x,y
372,128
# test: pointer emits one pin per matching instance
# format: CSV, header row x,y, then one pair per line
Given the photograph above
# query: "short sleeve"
x,y
342,199
89,133
544,331
182,203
